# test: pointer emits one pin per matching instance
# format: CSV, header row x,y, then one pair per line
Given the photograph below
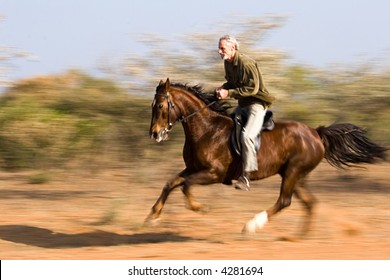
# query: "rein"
x,y
184,119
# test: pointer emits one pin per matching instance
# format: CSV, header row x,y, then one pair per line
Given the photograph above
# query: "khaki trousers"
x,y
255,114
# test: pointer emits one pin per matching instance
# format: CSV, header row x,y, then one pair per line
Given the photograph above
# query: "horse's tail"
x,y
347,145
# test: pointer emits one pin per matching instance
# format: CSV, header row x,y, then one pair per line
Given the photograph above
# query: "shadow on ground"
x,y
45,238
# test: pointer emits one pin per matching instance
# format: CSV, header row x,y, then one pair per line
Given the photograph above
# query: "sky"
x,y
65,34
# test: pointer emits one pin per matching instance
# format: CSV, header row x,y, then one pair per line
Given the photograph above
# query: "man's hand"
x,y
221,93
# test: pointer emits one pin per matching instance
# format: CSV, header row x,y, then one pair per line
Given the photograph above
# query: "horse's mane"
x,y
219,106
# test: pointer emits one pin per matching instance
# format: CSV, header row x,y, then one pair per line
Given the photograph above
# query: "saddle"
x,y
239,124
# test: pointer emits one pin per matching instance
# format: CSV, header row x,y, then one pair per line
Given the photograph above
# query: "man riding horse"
x,y
244,83
291,149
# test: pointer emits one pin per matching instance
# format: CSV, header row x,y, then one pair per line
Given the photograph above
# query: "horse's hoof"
x,y
204,209
289,238
150,222
249,228
256,223
200,208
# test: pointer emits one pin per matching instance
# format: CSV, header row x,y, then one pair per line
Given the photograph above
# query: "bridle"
x,y
171,106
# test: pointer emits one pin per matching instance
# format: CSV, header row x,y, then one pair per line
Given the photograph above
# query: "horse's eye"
x,y
160,105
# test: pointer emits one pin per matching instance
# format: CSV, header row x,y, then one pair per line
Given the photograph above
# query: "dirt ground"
x,y
99,214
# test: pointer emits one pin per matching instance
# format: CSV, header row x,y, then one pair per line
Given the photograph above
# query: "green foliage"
x,y
51,121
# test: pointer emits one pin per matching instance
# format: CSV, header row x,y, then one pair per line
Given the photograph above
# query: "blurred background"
x,y
77,78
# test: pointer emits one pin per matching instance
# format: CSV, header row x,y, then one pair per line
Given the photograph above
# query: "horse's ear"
x,y
167,85
161,82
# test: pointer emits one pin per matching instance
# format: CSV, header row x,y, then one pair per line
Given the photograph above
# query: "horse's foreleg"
x,y
159,204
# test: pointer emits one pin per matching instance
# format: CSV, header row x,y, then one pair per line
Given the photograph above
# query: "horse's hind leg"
x,y
289,180
205,177
192,204
159,204
308,201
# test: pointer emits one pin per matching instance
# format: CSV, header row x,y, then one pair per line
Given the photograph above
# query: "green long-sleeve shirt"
x,y
244,81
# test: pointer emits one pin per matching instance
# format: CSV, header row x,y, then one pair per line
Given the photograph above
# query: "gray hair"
x,y
231,40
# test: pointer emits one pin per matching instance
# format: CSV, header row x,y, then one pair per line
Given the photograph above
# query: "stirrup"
x,y
242,184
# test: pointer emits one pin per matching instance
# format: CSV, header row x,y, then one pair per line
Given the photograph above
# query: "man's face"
x,y
226,50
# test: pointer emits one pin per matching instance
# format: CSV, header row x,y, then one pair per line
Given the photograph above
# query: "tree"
x,y
7,56
193,58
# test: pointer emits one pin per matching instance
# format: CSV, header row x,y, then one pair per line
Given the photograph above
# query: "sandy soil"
x,y
99,214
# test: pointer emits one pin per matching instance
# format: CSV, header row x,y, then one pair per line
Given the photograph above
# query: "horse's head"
x,y
163,113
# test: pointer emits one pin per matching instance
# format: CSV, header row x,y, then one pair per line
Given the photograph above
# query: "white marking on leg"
x,y
256,223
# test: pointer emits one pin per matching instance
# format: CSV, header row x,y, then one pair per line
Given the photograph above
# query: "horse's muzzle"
x,y
161,135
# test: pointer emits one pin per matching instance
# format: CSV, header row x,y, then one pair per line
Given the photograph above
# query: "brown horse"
x,y
291,149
